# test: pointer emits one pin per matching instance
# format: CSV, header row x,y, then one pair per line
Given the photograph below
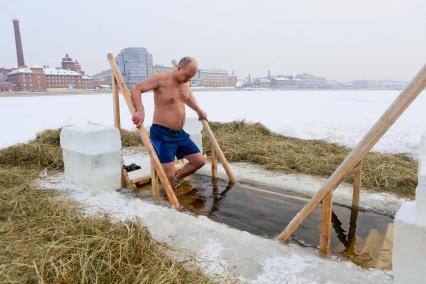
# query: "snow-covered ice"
x,y
338,116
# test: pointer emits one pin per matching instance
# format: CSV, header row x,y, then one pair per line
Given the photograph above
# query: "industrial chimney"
x,y
19,51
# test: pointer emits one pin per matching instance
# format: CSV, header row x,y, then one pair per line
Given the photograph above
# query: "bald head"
x,y
187,60
186,69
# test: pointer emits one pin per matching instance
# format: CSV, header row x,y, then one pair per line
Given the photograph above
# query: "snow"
x,y
60,72
342,117
20,71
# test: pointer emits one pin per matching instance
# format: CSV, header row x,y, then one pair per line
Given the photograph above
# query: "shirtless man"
x,y
171,93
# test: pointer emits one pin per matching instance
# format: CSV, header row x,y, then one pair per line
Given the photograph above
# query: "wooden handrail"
x,y
218,152
143,133
361,150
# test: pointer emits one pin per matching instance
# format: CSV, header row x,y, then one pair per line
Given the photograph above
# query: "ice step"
x,y
372,245
384,258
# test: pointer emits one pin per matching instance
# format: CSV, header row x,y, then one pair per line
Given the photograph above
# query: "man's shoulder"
x,y
160,76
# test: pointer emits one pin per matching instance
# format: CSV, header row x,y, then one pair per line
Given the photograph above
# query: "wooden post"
x,y
116,104
356,185
350,249
116,108
218,151
143,133
213,159
327,208
360,151
155,186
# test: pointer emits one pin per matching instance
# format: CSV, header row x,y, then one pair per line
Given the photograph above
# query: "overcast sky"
x,y
339,39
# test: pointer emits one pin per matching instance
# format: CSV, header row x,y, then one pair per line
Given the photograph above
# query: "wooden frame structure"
x,y
352,163
157,172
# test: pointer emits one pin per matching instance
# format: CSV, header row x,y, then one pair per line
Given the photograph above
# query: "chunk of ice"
x,y
92,156
409,246
421,187
90,139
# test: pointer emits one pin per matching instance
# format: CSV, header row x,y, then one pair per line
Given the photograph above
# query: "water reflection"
x,y
217,197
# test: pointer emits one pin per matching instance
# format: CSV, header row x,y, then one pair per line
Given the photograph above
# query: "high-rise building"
x,y
135,64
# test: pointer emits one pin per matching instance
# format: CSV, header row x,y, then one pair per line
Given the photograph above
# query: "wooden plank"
x,y
127,181
327,207
143,133
155,186
360,151
213,159
117,123
218,151
141,176
116,104
356,185
123,177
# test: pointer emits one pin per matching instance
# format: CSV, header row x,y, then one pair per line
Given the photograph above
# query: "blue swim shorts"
x,y
169,143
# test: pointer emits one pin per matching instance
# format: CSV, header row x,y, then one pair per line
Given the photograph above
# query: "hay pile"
x,y
45,238
254,143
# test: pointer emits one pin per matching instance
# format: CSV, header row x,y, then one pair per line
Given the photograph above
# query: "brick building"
x,y
35,78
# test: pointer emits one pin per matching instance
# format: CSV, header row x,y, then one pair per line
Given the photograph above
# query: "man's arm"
x,y
143,86
192,103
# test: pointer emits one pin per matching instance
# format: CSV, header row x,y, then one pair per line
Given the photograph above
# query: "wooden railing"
x,y
157,171
353,163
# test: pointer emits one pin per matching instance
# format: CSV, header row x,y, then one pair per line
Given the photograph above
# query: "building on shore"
x,y
135,64
37,79
216,78
69,64
104,77
286,82
195,81
312,81
7,87
161,68
204,77
262,83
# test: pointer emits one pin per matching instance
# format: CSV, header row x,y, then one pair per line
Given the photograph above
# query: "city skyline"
x,y
342,41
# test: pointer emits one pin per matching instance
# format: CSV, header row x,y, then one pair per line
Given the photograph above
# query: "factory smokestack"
x,y
19,51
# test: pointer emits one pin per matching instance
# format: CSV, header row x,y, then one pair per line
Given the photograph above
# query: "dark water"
x,y
267,211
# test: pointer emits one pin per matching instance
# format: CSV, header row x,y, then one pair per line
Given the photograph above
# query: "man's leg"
x,y
170,171
196,161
